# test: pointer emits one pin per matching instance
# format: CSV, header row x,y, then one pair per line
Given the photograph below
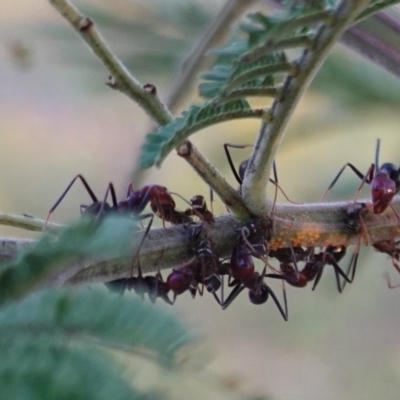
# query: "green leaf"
x,y
113,236
58,315
52,344
30,371
192,120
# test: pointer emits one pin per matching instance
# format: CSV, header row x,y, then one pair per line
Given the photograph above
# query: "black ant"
x,y
154,286
384,181
239,175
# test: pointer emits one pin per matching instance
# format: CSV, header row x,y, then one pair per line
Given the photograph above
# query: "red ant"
x,y
244,276
199,208
158,196
314,267
384,181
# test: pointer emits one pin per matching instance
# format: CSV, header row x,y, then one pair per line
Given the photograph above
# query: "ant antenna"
x,y
378,146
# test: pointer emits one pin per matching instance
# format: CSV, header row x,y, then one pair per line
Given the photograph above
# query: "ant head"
x,y
338,252
197,201
159,195
212,283
259,296
391,169
383,189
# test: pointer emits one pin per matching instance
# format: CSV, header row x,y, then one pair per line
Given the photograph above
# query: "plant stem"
x,y
306,225
271,134
123,80
216,181
28,223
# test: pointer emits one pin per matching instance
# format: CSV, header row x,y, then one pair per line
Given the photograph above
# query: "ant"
x,y
239,175
244,276
199,208
160,200
384,181
314,266
154,286
208,267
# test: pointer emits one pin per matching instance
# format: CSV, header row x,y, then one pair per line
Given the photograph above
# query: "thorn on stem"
x,y
85,24
150,88
111,82
184,149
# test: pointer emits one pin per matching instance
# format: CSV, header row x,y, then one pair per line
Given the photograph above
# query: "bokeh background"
x,y
58,118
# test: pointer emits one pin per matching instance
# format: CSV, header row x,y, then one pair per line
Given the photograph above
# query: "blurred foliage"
x,y
53,344
111,237
149,41
340,77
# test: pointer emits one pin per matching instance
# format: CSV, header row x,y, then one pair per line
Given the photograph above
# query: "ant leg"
x,y
130,190
232,295
367,179
296,268
151,216
64,193
390,286
277,186
276,189
339,273
110,189
236,174
318,277
351,270
378,146
212,201
163,294
353,168
284,312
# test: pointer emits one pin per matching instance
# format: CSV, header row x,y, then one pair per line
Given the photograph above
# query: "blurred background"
x,y
58,118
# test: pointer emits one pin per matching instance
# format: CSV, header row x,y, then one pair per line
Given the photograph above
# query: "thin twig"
x,y
124,81
193,61
28,223
271,134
